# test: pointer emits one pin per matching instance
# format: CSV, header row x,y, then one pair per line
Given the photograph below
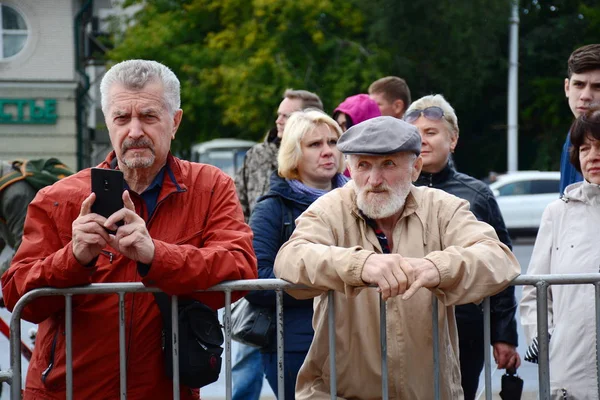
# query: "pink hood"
x,y
359,107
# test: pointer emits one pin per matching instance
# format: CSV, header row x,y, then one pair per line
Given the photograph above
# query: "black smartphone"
x,y
108,184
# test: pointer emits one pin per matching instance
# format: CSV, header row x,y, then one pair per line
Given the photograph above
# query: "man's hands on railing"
x,y
506,356
395,275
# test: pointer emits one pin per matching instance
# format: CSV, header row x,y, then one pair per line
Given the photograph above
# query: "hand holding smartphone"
x,y
108,185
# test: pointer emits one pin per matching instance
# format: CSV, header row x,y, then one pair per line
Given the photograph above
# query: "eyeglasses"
x,y
432,113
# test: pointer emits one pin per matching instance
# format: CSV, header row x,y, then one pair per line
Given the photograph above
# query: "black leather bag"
x,y
512,386
200,341
252,324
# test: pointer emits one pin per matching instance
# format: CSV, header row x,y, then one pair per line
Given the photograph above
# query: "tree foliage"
x,y
236,57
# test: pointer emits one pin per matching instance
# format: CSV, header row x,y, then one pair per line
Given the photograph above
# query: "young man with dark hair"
x,y
582,88
391,94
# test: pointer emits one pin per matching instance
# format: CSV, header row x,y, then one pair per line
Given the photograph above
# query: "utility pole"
x,y
513,91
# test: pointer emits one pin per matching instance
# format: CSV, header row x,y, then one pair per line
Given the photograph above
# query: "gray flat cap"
x,y
380,136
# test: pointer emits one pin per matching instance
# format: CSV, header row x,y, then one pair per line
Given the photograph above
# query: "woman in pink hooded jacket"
x,y
354,110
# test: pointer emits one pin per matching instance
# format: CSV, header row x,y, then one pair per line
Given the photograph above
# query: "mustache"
x,y
376,189
137,143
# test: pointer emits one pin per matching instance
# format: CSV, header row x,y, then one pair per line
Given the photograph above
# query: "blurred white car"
x,y
522,197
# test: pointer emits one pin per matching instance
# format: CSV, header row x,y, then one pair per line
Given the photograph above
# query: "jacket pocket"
x,y
53,376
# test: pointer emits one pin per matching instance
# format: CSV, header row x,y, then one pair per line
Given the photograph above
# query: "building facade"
x,y
48,71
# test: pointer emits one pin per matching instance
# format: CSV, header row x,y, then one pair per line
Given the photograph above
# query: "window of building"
x,y
13,31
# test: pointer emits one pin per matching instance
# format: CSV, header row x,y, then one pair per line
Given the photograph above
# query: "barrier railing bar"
x,y
486,349
541,282
227,320
15,347
175,344
279,327
435,337
69,344
556,279
6,376
122,354
597,291
383,343
331,325
542,322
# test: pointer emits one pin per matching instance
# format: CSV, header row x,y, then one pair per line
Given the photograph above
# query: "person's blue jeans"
x,y
247,373
292,361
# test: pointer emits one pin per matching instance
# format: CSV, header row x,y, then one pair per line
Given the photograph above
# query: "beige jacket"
x,y
328,250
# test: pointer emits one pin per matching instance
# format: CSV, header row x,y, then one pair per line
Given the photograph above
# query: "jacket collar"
x,y
411,206
432,180
584,191
280,187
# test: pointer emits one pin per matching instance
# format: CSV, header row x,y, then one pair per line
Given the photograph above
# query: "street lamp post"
x,y
513,90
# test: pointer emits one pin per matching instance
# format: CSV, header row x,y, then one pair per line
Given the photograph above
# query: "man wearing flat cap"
x,y
414,245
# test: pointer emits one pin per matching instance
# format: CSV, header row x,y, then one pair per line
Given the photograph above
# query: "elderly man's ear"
x,y
176,122
417,167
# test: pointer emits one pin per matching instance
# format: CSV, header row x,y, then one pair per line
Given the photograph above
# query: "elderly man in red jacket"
x,y
183,231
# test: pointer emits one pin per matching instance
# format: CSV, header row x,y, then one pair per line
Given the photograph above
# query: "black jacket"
x,y
483,205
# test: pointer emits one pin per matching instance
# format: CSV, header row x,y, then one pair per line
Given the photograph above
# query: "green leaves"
x,y
236,57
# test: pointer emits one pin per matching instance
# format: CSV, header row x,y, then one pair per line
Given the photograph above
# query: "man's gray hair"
x,y
135,74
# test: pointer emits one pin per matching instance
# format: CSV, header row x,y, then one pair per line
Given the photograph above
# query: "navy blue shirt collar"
x,y
150,195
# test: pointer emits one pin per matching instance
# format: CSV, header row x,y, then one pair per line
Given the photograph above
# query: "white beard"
x,y
384,203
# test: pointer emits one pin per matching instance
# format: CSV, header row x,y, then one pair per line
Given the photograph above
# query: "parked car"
x,y
226,154
522,197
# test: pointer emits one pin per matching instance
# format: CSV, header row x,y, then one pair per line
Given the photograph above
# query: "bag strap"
x,y
43,172
10,175
39,173
287,220
163,301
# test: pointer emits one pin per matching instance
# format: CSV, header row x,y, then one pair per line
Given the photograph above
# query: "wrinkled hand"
x,y
395,275
506,356
89,236
131,239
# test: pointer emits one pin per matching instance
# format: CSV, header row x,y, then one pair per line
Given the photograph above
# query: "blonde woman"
x,y
310,165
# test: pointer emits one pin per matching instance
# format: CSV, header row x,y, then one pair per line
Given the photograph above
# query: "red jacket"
x,y
200,240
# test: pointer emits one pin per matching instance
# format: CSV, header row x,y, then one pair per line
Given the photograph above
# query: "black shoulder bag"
x,y
200,340
253,324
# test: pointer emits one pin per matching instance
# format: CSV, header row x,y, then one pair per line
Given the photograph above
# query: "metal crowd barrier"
x,y
541,282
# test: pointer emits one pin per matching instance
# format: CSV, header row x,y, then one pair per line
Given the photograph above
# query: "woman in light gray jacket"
x,y
567,243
